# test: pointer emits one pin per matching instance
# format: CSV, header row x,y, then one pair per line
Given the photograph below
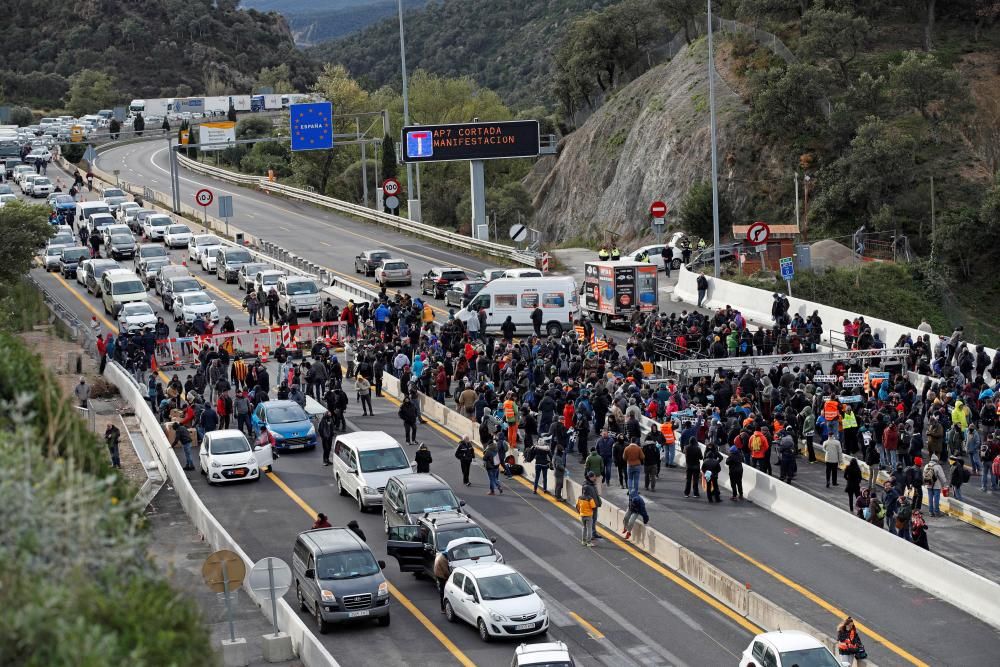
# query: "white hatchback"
x,y
787,648
226,456
177,236
496,599
199,242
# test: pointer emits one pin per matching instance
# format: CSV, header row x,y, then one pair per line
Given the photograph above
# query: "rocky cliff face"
x,y
650,141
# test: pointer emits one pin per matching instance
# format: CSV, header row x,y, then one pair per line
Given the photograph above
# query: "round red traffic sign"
x,y
758,233
204,197
658,209
390,187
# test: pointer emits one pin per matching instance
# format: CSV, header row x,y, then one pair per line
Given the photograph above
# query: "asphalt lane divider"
x,y
591,630
618,542
396,593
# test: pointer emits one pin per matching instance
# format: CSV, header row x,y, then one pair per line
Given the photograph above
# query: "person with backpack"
x,y
759,446
585,507
491,462
849,640
711,468
933,476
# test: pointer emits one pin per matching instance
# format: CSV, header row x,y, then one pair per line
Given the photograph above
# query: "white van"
x,y
120,286
363,463
518,297
298,293
86,208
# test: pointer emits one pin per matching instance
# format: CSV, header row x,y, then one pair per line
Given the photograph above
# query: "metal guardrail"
x,y
401,224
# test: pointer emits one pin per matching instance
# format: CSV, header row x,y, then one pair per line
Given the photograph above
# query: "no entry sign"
x,y
658,209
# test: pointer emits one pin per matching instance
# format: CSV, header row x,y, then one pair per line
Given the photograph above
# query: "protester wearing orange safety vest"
x,y
758,451
510,416
670,441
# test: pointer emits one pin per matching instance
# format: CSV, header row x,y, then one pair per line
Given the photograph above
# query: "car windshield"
x,y
137,309
122,239
75,254
42,181
454,275
809,657
346,565
285,414
445,537
250,269
207,240
54,252
92,210
434,500
63,238
504,586
271,279
98,270
156,263
112,192
101,221
186,285
378,256
230,445
237,257
197,300
471,551
159,222
153,251
380,460
178,229
472,289
129,287
302,288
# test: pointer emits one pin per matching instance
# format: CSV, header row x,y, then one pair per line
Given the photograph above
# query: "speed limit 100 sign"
x,y
390,186
204,197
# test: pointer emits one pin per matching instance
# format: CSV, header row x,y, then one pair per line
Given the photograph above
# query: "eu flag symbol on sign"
x,y
311,125
419,143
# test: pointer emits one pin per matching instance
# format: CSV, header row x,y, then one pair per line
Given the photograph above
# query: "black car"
x,y
407,497
122,246
439,279
369,260
463,292
415,546
70,260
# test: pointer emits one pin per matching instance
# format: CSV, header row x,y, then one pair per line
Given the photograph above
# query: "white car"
x,y
6,198
133,217
188,305
124,208
210,258
393,271
52,254
20,171
226,456
265,280
114,197
787,648
36,154
41,187
199,242
244,277
156,225
136,316
177,236
495,599
26,182
542,654
108,231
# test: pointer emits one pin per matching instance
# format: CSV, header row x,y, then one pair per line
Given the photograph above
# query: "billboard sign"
x,y
470,141
191,104
218,133
311,126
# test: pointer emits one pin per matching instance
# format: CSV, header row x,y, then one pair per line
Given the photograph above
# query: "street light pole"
x,y
413,201
715,163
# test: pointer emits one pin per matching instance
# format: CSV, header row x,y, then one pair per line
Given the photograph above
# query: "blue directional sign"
x,y
419,144
787,268
311,125
226,206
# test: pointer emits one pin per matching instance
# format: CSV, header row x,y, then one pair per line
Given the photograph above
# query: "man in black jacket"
x,y
465,453
650,461
692,455
326,432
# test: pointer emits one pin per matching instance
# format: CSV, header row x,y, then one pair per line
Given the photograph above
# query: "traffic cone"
x,y
153,366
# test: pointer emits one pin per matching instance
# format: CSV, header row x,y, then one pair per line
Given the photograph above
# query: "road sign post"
x,y
391,189
787,271
226,209
757,235
223,571
518,232
658,210
271,578
204,198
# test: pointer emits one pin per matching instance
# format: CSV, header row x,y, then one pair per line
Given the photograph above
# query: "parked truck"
x,y
265,103
613,292
240,102
158,106
217,106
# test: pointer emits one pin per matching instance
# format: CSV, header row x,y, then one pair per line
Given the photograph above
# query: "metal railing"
x,y
395,222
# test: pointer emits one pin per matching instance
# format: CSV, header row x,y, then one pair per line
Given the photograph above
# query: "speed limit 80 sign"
x,y
390,186
204,197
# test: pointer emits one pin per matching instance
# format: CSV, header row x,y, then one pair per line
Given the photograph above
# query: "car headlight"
x,y
216,464
277,436
499,618
383,589
327,596
369,491
252,461
312,432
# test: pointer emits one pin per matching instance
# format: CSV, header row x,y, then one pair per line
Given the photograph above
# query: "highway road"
x,y
631,605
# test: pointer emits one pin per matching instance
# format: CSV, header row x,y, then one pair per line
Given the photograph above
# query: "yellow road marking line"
x,y
86,304
591,630
625,546
396,593
228,297
809,595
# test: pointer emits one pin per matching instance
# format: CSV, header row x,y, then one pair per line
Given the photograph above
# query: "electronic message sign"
x,y
470,141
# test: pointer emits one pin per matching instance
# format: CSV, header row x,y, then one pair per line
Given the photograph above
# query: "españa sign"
x,y
311,125
470,141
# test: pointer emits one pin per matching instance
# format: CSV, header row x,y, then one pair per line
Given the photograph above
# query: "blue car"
x,y
288,422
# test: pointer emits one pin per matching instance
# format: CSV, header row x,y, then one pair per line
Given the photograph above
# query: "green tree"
x,y
26,227
837,36
696,210
787,101
254,127
681,14
277,78
90,90
920,83
21,116
267,155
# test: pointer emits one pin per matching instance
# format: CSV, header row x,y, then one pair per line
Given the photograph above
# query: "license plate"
x,y
525,626
239,472
357,614
296,446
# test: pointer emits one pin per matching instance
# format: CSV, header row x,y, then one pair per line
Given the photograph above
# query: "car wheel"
x,y
361,503
340,487
605,320
383,621
553,329
484,632
449,612
675,264
321,625
298,596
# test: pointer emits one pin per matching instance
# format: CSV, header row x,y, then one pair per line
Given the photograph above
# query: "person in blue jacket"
x,y
636,509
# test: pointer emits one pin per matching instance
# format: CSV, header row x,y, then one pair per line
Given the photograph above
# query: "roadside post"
x,y
224,570
270,578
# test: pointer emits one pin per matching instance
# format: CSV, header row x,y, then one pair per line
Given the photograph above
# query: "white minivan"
x,y
363,462
120,286
518,298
